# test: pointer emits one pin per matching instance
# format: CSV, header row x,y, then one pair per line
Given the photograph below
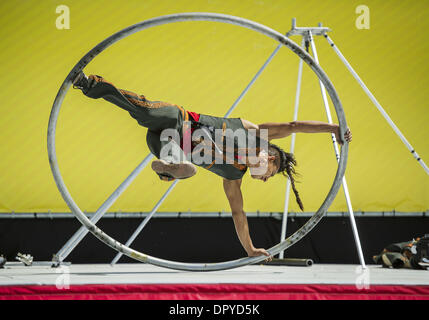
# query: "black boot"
x,y
81,82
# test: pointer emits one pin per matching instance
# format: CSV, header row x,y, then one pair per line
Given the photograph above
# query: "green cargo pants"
x,y
154,115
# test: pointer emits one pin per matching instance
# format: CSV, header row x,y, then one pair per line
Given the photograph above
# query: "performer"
x,y
224,145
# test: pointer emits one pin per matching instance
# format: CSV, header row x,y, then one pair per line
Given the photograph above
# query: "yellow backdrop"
x,y
204,66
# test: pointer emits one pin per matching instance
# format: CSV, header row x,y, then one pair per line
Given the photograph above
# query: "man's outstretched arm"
x,y
278,130
232,190
284,129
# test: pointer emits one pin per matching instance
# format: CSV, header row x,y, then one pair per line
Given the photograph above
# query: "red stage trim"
x,y
214,292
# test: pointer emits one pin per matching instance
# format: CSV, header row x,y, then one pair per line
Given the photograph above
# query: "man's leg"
x,y
154,115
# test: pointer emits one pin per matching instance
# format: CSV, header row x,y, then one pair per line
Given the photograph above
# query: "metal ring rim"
x,y
167,19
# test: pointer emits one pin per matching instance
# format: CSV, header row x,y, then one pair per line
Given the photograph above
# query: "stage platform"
x,y
143,281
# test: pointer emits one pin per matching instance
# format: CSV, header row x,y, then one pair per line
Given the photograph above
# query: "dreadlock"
x,y
286,162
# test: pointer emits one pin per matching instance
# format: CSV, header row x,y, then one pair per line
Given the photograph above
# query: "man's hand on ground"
x,y
259,252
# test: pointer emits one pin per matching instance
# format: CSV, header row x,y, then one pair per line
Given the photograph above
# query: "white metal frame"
x,y
307,34
90,225
308,40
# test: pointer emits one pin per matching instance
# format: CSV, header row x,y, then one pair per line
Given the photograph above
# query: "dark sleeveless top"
x,y
226,170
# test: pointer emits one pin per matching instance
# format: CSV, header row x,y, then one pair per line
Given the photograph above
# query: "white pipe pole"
x,y
377,104
292,147
337,152
236,102
83,231
145,221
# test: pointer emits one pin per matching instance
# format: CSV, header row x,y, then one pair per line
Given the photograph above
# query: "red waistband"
x,y
194,115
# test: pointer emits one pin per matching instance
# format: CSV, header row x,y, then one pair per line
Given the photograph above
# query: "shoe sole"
x,y
77,79
177,170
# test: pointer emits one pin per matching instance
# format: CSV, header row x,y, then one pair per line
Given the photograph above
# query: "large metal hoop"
x,y
311,223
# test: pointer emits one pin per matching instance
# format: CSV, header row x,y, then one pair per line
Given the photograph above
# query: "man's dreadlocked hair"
x,y
286,165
